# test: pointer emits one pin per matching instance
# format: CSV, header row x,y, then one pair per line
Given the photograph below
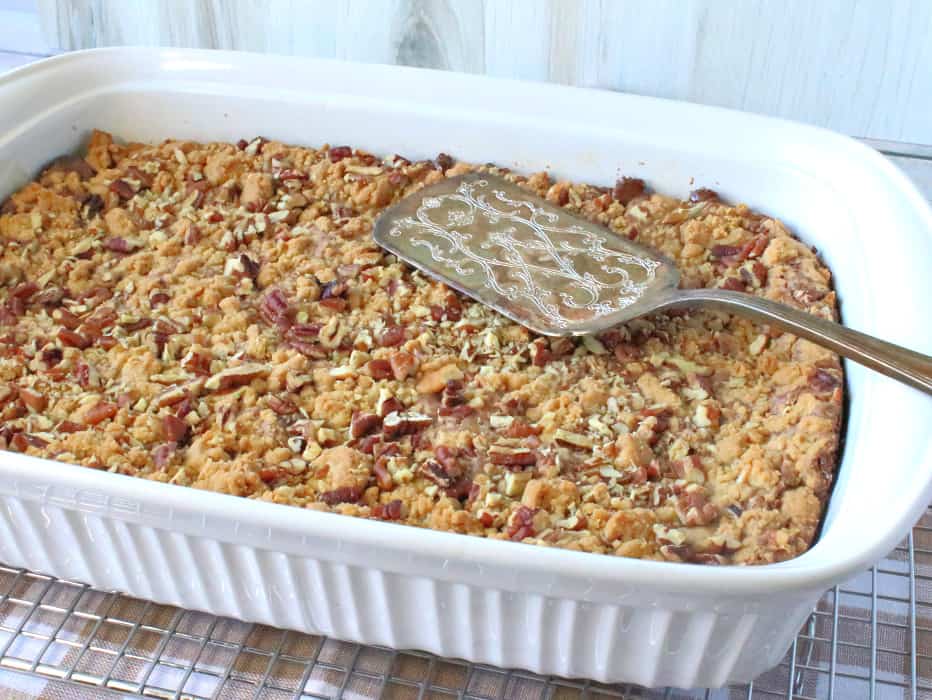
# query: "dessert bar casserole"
x,y
218,316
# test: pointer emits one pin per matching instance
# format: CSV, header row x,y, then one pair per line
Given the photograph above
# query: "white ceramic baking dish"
x,y
512,605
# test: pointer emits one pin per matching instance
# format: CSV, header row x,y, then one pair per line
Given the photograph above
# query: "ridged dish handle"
x,y
907,366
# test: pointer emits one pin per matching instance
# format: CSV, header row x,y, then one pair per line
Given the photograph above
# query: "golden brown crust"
x,y
218,316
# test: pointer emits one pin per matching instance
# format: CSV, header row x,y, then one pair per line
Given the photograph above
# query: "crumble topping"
x,y
218,316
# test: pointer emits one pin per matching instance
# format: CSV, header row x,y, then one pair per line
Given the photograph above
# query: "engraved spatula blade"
x,y
559,274
537,264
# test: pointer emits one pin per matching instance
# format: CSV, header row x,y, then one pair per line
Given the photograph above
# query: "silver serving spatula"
x,y
558,274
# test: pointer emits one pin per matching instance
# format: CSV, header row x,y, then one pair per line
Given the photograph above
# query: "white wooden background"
x,y
21,39
861,67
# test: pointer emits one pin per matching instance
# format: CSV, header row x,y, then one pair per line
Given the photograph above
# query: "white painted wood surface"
x,y
21,39
861,67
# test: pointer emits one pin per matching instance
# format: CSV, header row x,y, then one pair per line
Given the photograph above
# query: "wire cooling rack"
x,y
870,637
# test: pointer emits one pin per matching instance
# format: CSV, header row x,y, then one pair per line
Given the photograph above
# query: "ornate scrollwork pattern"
x,y
524,254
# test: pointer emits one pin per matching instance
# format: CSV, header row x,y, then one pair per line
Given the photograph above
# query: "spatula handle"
x,y
907,366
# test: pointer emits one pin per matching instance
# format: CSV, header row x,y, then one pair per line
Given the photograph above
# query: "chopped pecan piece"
x,y
682,467
233,377
24,291
184,407
733,284
402,364
162,454
313,350
449,458
196,362
171,396
100,412
759,271
380,369
270,474
334,289
452,394
677,552
282,406
390,405
175,430
822,380
13,309
436,472
275,308
122,189
290,174
334,303
628,189
724,251
382,477
444,162
459,412
34,441
693,509
461,489
571,439
344,494
66,318
145,182
520,429
397,424
250,267
392,336
83,374
135,324
305,331
50,297
33,399
363,424
338,153
388,511
540,353
73,339
369,444
454,309
397,179
18,442
512,457
120,245
562,346
93,205
51,356
102,319
754,248
437,380
521,524
654,423
72,164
